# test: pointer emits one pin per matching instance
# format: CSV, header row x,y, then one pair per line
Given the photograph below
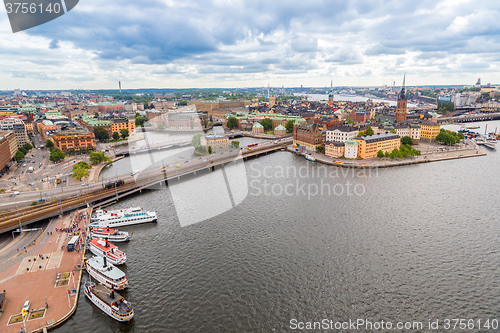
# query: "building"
x,y
308,135
401,107
218,143
74,139
334,149
257,128
117,124
110,107
351,149
8,148
341,133
429,130
20,133
331,95
92,123
272,100
28,125
45,128
218,108
369,145
280,130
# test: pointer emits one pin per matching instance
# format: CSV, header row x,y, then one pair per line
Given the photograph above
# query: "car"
x,y
24,164
31,184
26,307
85,184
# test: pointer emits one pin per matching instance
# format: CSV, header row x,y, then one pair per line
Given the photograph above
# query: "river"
x,y
310,242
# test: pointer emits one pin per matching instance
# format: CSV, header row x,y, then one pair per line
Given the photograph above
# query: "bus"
x,y
73,242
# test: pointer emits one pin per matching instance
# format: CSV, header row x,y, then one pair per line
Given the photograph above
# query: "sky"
x,y
240,43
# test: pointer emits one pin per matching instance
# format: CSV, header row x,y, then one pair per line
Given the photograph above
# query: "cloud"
x,y
54,44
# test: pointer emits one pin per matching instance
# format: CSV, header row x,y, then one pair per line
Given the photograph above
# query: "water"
x,y
419,242
353,98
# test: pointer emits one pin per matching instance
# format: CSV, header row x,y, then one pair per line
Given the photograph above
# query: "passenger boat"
x,y
310,158
117,218
106,273
110,302
113,235
103,248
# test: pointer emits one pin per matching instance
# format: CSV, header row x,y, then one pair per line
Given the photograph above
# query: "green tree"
x,y
79,173
211,119
49,144
210,149
146,105
81,164
361,133
369,131
267,123
23,150
393,131
406,140
320,149
116,136
182,103
101,134
289,126
140,120
56,155
27,146
19,155
235,144
195,140
98,157
124,132
349,121
380,154
232,122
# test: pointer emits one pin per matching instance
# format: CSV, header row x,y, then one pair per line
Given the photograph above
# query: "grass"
x,y
37,314
15,319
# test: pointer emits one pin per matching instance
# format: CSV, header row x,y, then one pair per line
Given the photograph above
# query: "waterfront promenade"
x,y
51,284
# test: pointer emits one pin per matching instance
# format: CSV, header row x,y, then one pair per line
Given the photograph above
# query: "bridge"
x,y
10,220
153,148
471,118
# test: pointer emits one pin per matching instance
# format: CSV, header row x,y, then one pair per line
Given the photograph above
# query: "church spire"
x,y
402,94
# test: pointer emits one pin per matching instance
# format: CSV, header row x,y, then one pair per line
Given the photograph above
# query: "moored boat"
x,y
310,158
113,235
110,302
103,248
106,273
123,217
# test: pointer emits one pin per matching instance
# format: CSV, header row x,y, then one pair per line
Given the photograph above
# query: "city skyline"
x,y
237,44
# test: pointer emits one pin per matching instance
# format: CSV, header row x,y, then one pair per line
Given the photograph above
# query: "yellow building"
x,y
118,124
334,149
429,130
369,145
28,125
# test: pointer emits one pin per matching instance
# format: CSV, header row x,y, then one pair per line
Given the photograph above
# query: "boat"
x,y
106,273
113,235
103,248
472,127
109,301
117,218
491,144
310,158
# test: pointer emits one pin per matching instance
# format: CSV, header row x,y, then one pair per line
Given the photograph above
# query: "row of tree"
x,y
449,137
102,134
21,152
403,151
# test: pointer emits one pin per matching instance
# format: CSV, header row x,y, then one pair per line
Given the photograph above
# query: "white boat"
x,y
310,158
117,218
110,302
103,248
106,273
113,235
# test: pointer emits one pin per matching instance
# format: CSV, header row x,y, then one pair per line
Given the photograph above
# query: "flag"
x,y
24,312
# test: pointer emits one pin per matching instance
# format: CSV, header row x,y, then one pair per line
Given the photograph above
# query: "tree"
x,y
124,132
393,131
116,136
27,146
19,155
79,173
139,120
232,122
146,105
289,126
320,149
82,164
349,121
101,134
406,140
210,149
235,144
49,144
98,157
56,155
211,119
361,133
195,141
267,123
369,131
449,137
380,154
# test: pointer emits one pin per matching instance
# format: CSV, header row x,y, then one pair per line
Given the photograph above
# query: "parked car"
x,y
85,184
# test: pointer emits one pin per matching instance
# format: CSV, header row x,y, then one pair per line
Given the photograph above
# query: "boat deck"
x,y
104,294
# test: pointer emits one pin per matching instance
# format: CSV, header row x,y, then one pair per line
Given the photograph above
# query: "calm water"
x,y
413,243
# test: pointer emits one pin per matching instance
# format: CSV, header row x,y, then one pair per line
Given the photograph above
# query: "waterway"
x,y
353,98
310,242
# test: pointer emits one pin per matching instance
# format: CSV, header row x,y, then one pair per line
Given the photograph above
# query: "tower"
x,y
401,108
120,86
331,95
272,100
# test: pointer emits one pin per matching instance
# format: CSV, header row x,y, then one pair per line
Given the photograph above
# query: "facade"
x,y
272,100
219,143
257,128
45,127
341,133
28,125
8,148
369,145
218,108
334,149
351,149
308,135
429,130
20,133
118,124
110,107
74,139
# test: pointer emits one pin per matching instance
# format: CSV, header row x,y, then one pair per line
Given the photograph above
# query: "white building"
x,y
341,133
351,149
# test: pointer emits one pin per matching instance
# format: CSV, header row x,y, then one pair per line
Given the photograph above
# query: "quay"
x,y
45,274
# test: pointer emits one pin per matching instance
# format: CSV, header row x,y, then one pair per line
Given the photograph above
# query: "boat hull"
x,y
102,305
122,223
99,253
94,274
